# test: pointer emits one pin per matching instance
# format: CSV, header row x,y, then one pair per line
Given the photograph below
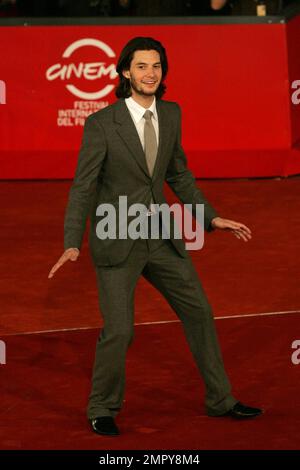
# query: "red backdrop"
x,y
233,83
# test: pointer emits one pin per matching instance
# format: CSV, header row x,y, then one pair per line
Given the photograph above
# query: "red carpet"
x,y
46,382
260,276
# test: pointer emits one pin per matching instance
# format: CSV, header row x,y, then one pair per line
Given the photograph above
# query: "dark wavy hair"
x,y
123,90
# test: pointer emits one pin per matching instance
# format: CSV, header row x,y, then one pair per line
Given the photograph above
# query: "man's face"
x,y
145,73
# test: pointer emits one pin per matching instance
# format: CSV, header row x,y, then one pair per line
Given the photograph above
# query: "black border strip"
x,y
162,20
288,13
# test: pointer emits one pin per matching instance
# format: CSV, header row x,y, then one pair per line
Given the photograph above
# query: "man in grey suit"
x,y
131,148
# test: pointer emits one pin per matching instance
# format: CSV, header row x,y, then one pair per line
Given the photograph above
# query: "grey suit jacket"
x,y
112,162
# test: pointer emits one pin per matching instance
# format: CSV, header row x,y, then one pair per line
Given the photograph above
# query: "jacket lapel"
x,y
163,135
129,135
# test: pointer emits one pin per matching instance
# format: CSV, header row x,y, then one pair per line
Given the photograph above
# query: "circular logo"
x,y
86,70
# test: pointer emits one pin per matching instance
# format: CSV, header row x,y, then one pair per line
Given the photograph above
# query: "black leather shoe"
x,y
105,425
240,411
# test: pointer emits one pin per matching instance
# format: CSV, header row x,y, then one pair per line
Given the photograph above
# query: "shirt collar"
x,y
138,111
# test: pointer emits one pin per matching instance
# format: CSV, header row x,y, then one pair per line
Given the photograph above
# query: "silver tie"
x,y
150,142
150,149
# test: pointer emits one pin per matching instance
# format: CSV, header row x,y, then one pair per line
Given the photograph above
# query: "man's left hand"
x,y
241,231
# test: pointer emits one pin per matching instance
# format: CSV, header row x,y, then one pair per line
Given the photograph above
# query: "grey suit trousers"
x,y
176,278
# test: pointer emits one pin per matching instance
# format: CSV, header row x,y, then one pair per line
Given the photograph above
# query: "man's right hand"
x,y
71,254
